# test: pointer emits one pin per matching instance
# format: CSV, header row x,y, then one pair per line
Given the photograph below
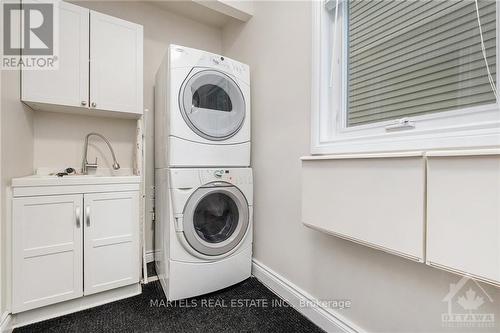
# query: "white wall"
x,y
59,137
16,124
16,160
388,293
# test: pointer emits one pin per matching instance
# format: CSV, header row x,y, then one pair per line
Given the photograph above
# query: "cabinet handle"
x,y
84,103
78,216
87,215
94,104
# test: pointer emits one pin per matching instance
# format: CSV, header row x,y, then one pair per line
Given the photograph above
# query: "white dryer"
x,y
202,110
203,232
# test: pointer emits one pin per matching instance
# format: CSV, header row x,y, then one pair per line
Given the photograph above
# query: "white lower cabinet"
x,y
47,250
72,245
111,241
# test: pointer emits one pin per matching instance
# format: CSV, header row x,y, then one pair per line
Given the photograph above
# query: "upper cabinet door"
x,y
111,258
69,84
47,250
115,64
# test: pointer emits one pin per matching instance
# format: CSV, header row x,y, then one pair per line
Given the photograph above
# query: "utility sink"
x,y
46,180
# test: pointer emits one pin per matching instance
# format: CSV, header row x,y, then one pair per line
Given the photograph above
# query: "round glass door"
x,y
212,105
215,217
215,220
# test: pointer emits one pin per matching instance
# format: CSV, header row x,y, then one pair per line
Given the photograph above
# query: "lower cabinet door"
x,y
111,250
47,249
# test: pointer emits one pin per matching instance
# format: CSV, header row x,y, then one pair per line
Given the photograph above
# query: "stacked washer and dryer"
x,y
203,179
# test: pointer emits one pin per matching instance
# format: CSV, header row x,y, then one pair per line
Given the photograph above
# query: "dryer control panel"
x,y
181,56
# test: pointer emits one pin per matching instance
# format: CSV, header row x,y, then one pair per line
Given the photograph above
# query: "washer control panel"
x,y
219,173
229,175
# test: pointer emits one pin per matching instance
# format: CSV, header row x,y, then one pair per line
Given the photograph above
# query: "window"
x,y
404,75
408,58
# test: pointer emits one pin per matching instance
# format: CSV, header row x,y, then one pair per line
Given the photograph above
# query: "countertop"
x,y
42,180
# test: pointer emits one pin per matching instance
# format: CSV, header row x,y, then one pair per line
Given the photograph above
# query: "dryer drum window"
x,y
212,104
212,97
215,219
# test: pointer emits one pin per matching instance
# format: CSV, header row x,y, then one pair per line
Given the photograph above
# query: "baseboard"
x,y
150,256
326,318
152,278
5,323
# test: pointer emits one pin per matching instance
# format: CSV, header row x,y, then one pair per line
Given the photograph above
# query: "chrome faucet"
x,y
85,164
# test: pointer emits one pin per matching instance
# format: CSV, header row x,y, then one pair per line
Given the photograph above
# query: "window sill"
x,y
362,156
435,153
471,138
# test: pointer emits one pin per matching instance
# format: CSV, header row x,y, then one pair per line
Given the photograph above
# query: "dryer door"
x,y
215,219
212,104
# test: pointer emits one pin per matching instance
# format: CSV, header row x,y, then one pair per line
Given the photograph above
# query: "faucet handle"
x,y
91,165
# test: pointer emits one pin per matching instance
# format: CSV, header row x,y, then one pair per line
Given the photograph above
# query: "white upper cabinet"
x,y
115,64
69,84
100,67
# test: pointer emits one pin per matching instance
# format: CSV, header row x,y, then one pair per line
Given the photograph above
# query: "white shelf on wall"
x,y
240,10
216,13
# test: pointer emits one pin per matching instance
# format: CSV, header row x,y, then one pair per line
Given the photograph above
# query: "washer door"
x,y
215,219
212,105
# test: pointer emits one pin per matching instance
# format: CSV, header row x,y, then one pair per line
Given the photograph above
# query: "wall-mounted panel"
x,y
463,215
378,202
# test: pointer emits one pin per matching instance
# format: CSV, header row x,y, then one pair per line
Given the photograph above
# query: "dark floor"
x,y
246,307
151,269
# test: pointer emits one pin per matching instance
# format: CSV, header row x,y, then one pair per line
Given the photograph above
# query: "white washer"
x,y
202,110
203,233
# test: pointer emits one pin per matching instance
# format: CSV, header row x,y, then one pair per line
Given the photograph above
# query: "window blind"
x,y
415,57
